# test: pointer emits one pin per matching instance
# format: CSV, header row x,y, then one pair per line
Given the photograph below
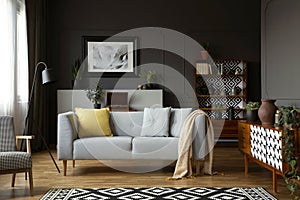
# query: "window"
x,y
14,61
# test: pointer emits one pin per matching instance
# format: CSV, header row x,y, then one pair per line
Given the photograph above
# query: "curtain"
x,y
36,11
14,61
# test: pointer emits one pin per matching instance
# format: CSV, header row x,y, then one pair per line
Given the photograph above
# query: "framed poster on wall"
x,y
112,56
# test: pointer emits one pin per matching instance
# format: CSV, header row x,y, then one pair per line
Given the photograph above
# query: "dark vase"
x,y
97,105
252,116
266,112
231,113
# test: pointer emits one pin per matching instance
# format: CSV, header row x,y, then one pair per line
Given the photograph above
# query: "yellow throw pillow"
x,y
93,122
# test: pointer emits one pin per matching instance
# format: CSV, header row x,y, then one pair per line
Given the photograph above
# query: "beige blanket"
x,y
184,162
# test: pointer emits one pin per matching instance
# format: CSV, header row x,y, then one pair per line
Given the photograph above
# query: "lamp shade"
x,y
47,76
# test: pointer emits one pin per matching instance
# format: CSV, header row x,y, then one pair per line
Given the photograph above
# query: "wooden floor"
x,y
228,162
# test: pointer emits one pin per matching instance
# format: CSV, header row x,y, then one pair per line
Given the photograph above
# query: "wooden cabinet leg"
x,y
274,176
246,161
65,167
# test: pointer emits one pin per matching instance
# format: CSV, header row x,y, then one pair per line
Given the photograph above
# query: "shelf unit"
x,y
216,92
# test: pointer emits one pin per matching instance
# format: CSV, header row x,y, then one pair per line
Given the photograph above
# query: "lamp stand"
x,y
28,116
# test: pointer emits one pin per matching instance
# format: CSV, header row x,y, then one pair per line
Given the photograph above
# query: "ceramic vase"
x,y
266,112
252,116
97,106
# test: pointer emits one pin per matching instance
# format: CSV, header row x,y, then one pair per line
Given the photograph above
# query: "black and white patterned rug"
x,y
159,193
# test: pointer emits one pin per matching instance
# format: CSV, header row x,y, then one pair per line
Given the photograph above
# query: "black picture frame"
x,y
95,48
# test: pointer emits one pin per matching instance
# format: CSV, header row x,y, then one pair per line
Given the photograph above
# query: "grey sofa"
x,y
126,143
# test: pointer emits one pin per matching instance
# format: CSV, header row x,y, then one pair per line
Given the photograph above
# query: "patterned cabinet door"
x,y
266,146
258,143
274,149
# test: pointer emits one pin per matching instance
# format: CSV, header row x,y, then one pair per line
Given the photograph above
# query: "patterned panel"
x,y
230,66
258,143
220,87
266,146
218,84
274,147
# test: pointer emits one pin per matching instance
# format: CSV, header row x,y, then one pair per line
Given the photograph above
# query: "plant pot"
x,y
148,86
97,105
231,113
252,116
266,112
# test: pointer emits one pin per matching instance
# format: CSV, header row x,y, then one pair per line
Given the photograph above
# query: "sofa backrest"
x,y
177,118
126,123
130,123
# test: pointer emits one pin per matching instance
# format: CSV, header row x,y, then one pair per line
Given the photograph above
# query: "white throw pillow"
x,y
156,122
178,116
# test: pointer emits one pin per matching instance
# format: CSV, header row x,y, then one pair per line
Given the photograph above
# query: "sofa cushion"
x,y
159,148
156,122
110,148
177,118
126,123
93,122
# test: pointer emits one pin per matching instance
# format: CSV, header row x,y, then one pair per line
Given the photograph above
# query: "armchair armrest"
x,y
27,138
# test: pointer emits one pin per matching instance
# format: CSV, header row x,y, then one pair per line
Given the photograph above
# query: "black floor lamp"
x,y
47,77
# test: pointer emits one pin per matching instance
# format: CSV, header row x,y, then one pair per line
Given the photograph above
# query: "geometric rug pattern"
x,y
171,193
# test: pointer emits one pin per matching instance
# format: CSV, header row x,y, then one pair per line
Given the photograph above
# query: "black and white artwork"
x,y
110,56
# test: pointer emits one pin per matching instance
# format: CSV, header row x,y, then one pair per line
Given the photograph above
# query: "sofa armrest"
x,y
199,136
66,134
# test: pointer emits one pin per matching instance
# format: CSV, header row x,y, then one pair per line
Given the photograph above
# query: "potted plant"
x,y
149,77
94,95
252,111
289,120
75,70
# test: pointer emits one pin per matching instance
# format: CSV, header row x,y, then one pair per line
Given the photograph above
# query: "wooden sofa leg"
x,y
65,167
198,163
13,180
73,163
30,182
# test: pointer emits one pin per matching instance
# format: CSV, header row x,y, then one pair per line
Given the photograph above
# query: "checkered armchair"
x,y
11,160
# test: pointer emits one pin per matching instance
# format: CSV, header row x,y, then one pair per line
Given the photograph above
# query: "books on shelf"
x,y
203,68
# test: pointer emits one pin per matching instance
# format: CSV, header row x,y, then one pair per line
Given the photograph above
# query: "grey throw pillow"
x,y
178,116
156,122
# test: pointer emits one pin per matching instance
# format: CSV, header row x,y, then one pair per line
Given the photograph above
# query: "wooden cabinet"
x,y
222,93
263,145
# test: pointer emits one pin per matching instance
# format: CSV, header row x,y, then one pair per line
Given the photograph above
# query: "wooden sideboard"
x,y
263,145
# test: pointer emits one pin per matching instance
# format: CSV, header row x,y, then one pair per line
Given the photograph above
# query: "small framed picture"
x,y
112,56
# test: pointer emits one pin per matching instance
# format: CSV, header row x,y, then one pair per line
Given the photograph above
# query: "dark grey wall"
x,y
232,28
